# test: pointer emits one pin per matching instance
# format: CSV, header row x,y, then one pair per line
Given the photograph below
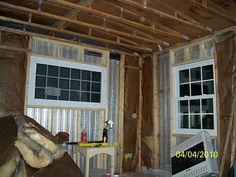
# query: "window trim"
x,y
176,83
34,60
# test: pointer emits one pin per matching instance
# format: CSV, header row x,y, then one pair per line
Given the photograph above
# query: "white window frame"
x,y
177,98
34,60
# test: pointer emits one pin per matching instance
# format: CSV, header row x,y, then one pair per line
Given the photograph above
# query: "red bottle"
x,y
83,137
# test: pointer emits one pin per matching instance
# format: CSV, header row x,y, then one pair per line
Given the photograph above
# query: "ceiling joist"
x,y
162,14
205,5
112,17
71,14
151,23
52,29
80,23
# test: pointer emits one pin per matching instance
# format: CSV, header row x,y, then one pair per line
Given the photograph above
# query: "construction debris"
x,y
29,150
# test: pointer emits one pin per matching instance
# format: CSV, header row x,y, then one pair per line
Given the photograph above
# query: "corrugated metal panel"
x,y
163,74
113,102
113,96
70,120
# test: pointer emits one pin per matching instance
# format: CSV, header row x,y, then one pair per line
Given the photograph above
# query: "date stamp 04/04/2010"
x,y
196,154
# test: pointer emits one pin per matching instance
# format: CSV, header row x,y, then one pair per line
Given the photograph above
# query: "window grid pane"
x,y
199,83
67,84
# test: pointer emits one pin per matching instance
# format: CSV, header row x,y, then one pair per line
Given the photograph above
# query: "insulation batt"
x,y
35,160
36,144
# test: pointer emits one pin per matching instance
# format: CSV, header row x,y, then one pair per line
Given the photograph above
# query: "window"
x,y
59,83
195,98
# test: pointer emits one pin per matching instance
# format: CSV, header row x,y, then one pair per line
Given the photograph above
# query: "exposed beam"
x,y
161,14
17,49
6,29
148,20
71,14
73,33
204,5
112,17
179,13
72,21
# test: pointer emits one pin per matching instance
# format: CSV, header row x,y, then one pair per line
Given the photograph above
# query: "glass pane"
x,y
184,90
75,85
85,97
96,87
50,97
85,86
75,73
64,84
196,89
52,70
184,76
96,76
196,74
40,93
207,72
208,87
184,121
95,97
74,96
183,106
64,72
86,75
64,95
194,52
208,121
195,121
52,82
41,69
195,106
179,56
207,105
40,81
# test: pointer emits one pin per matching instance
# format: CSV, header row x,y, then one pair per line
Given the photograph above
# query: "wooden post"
x,y
140,114
121,110
28,55
155,113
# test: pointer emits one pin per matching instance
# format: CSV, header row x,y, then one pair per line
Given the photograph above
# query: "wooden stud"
x,y
72,21
140,116
27,75
121,111
156,113
17,49
71,33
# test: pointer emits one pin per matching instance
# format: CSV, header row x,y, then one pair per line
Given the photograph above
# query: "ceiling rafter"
x,y
179,13
76,34
71,14
162,14
112,17
204,5
76,22
148,20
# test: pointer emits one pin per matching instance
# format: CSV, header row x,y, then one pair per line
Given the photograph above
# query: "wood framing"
x,y
121,110
109,16
76,22
140,115
162,14
156,112
71,14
